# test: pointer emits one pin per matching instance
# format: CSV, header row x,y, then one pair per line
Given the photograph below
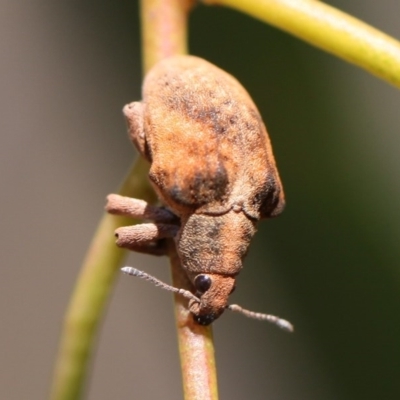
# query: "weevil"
x,y
212,166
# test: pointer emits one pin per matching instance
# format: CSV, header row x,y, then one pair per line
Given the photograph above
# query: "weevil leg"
x,y
155,248
146,238
134,117
140,209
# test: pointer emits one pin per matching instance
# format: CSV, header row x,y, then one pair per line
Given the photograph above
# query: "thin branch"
x,y
329,29
164,29
91,294
164,24
196,345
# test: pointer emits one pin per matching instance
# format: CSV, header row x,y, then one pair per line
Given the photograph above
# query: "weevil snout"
x,y
213,291
206,319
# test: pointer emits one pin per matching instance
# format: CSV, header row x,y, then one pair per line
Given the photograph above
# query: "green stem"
x,y
164,29
91,293
329,29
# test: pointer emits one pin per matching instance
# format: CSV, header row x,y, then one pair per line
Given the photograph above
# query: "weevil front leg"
x,y
146,238
139,209
143,238
133,113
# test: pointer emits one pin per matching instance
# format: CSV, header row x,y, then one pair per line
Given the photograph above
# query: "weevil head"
x,y
211,249
213,291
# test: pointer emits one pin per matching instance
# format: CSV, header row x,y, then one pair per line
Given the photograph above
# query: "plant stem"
x,y
91,293
329,29
164,30
196,345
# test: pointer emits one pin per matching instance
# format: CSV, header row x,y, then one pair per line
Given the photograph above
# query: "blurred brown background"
x,y
330,263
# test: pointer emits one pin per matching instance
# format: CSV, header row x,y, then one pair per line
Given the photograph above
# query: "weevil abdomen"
x,y
209,147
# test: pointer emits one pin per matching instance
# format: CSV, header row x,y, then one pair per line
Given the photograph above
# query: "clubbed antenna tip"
x,y
281,323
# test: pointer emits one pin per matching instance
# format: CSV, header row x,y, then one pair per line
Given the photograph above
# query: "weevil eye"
x,y
202,283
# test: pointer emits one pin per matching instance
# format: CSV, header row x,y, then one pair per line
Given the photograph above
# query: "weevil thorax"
x,y
212,249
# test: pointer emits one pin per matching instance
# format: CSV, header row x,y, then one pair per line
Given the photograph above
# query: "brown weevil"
x,y
212,167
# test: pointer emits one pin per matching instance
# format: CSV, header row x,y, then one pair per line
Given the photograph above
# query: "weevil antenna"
x,y
140,274
281,323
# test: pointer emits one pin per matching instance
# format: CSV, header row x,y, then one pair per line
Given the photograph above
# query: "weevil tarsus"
x,y
145,238
139,209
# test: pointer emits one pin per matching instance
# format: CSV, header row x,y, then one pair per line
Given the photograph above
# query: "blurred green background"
x,y
329,264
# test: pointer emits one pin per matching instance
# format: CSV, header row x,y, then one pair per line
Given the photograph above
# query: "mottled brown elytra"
x,y
212,167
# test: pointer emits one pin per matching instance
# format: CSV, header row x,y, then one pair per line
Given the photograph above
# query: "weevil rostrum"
x,y
212,167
